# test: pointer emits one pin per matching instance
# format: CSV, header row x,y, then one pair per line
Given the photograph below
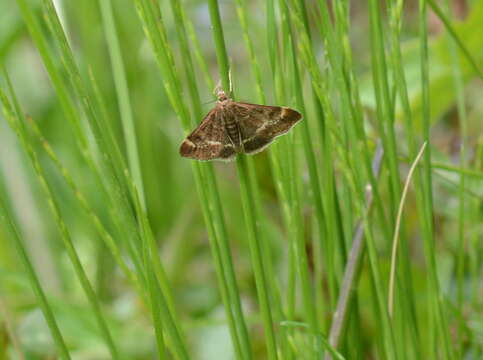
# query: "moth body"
x,y
230,122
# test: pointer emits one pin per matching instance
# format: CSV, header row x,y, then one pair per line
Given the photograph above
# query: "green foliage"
x,y
112,246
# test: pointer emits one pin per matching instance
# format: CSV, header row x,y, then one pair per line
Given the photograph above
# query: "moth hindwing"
x,y
235,127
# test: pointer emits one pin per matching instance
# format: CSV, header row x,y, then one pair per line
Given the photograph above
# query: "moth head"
x,y
220,94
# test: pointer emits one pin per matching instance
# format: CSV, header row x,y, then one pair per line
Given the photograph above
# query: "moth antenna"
x,y
208,102
217,88
230,81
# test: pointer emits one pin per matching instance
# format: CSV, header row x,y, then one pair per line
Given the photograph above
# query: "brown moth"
x,y
235,127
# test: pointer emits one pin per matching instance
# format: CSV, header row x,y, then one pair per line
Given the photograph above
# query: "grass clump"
x,y
353,236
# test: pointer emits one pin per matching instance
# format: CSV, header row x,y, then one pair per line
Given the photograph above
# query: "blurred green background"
x,y
172,201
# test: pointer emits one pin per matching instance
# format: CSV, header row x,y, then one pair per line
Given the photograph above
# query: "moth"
x,y
233,127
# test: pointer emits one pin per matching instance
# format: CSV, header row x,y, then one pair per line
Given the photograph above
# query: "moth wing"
x,y
209,141
261,124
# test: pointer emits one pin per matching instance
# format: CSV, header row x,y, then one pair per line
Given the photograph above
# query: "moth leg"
x,y
238,142
240,139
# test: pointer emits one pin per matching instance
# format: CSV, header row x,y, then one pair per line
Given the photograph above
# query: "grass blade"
x,y
123,95
7,223
247,194
219,240
18,124
429,246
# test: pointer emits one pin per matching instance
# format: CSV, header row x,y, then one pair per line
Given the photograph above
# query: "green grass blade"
x,y
7,223
249,211
386,120
68,107
282,161
352,270
219,239
449,28
339,55
157,303
122,90
327,238
164,316
310,308
463,120
435,298
202,63
69,179
120,190
282,184
204,177
111,159
18,124
247,194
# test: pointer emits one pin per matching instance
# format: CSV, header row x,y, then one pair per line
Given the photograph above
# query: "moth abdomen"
x,y
233,133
